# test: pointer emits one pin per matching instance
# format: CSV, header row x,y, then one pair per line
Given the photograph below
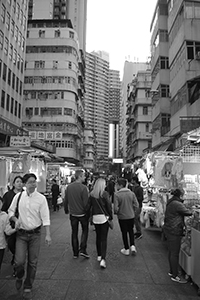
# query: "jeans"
x,y
101,238
1,256
174,245
84,236
30,244
126,227
137,221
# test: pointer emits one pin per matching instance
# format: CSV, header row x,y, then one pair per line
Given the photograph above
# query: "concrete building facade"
x,y
13,27
54,87
160,74
129,72
97,103
139,111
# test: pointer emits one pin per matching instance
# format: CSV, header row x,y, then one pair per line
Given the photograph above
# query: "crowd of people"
x,y
23,211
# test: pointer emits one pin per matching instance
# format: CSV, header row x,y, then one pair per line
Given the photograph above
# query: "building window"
x,y
55,64
0,67
27,34
71,34
14,6
22,66
14,56
23,43
16,33
164,91
8,20
39,64
12,29
147,127
67,111
164,62
18,10
11,52
70,65
57,33
17,84
36,111
3,13
1,39
163,36
6,46
16,108
4,72
41,33
19,111
20,39
145,110
20,89
8,102
193,50
9,76
12,106
13,81
3,95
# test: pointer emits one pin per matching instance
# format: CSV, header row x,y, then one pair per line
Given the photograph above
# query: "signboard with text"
x,y
8,128
20,141
45,135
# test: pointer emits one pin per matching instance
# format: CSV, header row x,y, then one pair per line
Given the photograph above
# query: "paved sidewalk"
x,y
60,277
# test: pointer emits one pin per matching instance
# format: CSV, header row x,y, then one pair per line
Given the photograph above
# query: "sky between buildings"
x,y
121,28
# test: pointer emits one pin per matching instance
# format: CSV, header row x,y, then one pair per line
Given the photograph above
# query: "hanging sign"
x,y
20,141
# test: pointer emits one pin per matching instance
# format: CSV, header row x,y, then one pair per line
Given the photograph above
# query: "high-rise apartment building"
x,y
13,26
54,81
160,76
130,70
114,112
139,111
97,103
74,10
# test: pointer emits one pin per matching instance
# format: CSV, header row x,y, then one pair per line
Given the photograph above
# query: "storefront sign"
x,y
45,135
20,141
117,161
10,129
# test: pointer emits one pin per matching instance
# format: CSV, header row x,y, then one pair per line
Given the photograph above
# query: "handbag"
x,y
16,214
59,200
110,222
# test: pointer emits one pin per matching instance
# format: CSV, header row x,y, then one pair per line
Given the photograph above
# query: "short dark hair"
x,y
27,176
135,178
177,192
122,181
78,173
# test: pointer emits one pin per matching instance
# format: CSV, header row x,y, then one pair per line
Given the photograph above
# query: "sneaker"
x,y
125,251
138,236
75,256
98,258
170,274
103,264
27,294
178,279
84,254
18,283
133,250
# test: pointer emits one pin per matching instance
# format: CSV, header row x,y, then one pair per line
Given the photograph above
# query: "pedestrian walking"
x,y
125,206
17,187
138,191
33,213
173,230
76,204
55,194
101,212
3,221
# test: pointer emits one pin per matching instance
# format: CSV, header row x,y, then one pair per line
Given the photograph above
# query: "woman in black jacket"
x,y
101,212
173,230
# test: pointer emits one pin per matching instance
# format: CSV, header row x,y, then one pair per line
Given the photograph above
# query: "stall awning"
x,y
168,146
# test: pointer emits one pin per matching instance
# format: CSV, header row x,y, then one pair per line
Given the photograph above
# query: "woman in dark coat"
x,y
7,200
55,193
173,230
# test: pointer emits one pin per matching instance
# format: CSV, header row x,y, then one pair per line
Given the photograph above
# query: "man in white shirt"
x,y
33,213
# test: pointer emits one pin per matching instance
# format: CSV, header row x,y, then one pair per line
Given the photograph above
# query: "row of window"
x,y
10,104
43,95
50,79
62,144
40,64
10,77
51,126
57,34
52,49
49,111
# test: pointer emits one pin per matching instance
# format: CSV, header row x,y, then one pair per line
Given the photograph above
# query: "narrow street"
x,y
59,276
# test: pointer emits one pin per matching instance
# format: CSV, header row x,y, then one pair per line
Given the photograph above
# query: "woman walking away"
x,y
7,200
173,230
101,213
126,206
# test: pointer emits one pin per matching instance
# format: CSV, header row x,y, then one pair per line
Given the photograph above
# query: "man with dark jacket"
x,y
173,229
138,190
76,203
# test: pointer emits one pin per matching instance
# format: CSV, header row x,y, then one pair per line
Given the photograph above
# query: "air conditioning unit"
x,y
198,55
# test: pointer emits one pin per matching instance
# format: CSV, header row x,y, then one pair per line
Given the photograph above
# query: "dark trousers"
x,y
101,238
1,256
137,221
84,236
126,227
54,203
27,244
174,245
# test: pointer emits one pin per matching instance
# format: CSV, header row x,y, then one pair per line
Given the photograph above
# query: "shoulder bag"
x,y
110,222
